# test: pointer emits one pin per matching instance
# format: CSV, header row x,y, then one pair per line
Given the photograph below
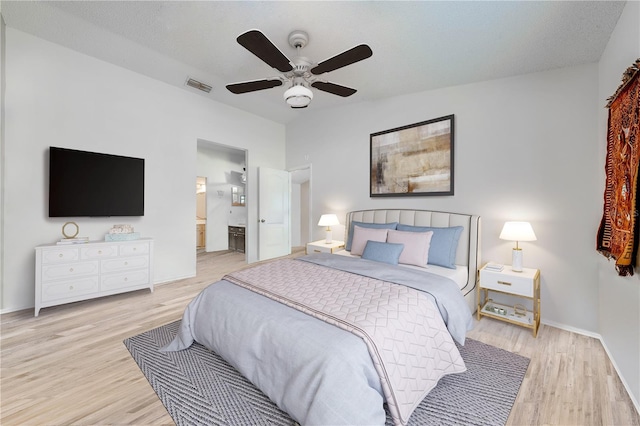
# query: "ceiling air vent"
x,y
198,85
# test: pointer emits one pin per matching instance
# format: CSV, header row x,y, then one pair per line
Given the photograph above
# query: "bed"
x,y
467,256
336,339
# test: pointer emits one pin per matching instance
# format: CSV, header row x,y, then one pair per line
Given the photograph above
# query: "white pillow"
x,y
362,235
416,246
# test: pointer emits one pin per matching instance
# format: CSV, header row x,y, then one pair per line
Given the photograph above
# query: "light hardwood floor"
x,y
69,365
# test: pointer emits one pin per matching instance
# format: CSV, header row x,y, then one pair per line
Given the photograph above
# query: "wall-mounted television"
x,y
83,183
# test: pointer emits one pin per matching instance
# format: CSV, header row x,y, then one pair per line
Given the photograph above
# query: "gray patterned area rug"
x,y
199,388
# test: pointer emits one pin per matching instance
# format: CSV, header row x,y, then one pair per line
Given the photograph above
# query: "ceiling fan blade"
x,y
252,86
258,44
343,59
333,88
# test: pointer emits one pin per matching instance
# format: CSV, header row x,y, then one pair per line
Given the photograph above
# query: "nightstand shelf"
x,y
509,315
321,246
525,284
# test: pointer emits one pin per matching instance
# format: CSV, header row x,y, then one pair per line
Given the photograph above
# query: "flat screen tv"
x,y
85,183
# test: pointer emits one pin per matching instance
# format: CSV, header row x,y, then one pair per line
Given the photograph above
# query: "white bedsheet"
x,y
458,275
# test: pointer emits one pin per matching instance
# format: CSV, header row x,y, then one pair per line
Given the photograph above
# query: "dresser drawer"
x,y
132,249
98,252
68,289
518,283
69,270
60,255
124,279
124,263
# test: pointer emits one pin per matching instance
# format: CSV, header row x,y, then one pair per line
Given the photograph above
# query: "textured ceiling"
x,y
416,45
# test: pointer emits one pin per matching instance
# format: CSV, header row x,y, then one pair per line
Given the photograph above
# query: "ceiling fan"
x,y
299,73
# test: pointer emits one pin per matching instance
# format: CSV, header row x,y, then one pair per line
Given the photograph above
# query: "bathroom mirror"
x,y
237,196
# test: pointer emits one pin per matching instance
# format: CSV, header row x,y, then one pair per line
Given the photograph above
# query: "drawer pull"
x,y
99,251
70,287
135,248
317,251
126,279
504,282
126,263
70,269
61,255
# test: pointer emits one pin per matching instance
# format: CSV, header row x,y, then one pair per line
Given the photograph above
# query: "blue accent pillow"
x,y
391,225
383,252
444,243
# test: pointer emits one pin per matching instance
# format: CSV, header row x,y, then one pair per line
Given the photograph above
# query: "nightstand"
x,y
525,284
322,247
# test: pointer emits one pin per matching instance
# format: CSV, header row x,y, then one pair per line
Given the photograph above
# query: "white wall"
x,y
58,97
525,149
619,297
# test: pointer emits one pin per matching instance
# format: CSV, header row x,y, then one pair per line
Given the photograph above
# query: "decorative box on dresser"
x,y
73,272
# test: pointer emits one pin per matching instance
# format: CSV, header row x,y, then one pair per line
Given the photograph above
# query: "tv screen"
x,y
85,183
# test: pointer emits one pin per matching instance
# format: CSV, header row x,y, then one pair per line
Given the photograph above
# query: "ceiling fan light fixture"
x,y
298,96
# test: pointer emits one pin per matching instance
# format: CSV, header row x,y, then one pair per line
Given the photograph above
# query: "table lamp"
x,y
328,220
517,231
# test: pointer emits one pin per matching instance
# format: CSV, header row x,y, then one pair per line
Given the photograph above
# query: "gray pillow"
x,y
444,243
382,252
391,225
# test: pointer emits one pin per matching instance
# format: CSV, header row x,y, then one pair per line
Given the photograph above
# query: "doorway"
x,y
224,169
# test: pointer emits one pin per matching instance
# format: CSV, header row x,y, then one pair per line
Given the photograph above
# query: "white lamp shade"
x,y
328,220
517,231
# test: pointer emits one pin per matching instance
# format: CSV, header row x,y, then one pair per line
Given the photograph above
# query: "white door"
x,y
274,205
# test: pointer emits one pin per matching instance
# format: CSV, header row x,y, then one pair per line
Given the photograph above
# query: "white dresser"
x,y
70,273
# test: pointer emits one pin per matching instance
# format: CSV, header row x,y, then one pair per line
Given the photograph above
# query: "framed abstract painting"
x,y
413,160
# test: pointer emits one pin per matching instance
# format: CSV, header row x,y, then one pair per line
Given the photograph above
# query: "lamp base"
x,y
328,237
516,260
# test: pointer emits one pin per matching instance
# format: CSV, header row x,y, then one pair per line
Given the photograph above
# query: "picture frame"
x,y
413,160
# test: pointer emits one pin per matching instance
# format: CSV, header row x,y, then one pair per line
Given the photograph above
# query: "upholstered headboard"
x,y
468,253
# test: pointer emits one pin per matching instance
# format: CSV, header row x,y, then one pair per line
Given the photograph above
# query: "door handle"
x,y
262,220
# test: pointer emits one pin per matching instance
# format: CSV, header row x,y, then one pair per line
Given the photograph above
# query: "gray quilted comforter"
x,y
317,372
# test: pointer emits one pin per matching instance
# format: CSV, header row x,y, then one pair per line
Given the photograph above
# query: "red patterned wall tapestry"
x,y
618,233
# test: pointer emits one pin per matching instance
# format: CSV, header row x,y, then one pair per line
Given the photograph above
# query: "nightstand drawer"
x,y
322,247
507,281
